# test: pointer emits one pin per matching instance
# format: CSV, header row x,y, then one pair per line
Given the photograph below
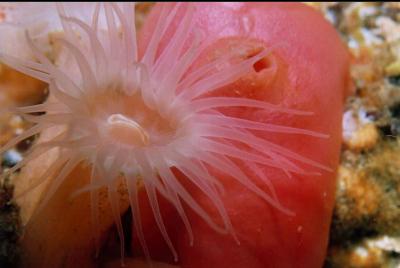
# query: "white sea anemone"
x,y
140,117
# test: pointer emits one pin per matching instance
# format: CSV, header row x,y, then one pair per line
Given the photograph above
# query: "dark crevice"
x,y
262,64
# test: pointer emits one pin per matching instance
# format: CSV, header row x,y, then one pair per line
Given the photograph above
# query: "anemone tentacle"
x,y
154,111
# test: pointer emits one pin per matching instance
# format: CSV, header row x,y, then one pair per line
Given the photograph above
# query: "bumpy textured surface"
x,y
366,227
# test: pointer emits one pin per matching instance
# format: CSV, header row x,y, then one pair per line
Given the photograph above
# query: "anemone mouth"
x,y
144,116
127,120
127,130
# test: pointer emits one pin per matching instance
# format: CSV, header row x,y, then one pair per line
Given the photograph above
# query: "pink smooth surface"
x,y
312,75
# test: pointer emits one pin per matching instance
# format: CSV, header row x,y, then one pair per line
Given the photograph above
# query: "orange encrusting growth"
x,y
61,233
307,70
